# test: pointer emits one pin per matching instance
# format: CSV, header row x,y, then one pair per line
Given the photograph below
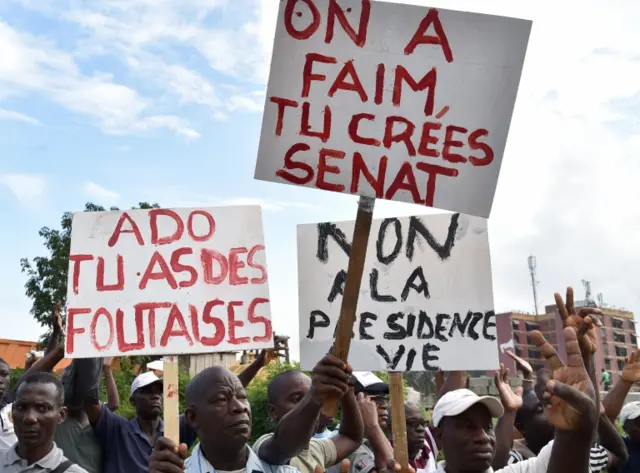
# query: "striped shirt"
x,y
598,458
198,463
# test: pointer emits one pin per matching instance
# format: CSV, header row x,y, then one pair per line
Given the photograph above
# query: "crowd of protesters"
x,y
555,422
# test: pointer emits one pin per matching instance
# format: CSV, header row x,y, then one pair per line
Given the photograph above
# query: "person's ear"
x,y
192,418
272,412
62,414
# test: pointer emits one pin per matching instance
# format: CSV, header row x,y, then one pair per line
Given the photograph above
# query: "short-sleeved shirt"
x,y
598,458
633,464
606,377
320,452
79,444
361,461
198,463
117,434
10,462
7,434
537,464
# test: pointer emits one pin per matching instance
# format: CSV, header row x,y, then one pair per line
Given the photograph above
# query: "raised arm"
x,y
511,402
351,431
263,359
330,378
113,398
380,445
614,400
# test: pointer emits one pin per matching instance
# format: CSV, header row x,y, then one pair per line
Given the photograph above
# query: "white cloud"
x,y
27,188
16,116
266,204
100,193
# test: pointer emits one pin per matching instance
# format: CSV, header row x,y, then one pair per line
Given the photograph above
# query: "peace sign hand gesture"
x,y
631,371
569,397
571,318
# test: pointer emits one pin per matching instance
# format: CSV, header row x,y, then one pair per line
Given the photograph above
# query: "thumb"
x,y
344,466
183,451
576,399
318,469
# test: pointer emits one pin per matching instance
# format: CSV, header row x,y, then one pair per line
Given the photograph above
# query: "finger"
x,y
518,391
344,466
183,451
164,467
332,361
562,309
570,307
331,372
577,399
168,456
163,443
505,374
585,325
547,349
318,469
591,311
574,355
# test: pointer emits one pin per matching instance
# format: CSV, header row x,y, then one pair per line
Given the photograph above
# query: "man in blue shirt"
x,y
630,420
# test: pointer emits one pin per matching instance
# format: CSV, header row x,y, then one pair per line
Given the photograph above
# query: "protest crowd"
x,y
555,422
416,105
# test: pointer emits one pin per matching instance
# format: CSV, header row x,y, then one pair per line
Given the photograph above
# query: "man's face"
x,y
415,429
36,413
5,374
148,400
223,414
532,420
291,391
632,429
383,411
468,440
324,421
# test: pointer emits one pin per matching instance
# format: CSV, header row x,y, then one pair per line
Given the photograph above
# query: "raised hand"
x,y
571,318
510,400
167,457
569,396
329,379
57,319
522,365
631,371
368,410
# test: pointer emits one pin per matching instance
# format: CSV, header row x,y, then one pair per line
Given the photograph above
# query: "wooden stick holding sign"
x,y
398,421
171,398
349,305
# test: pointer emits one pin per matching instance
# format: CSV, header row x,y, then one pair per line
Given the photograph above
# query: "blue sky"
x,y
121,101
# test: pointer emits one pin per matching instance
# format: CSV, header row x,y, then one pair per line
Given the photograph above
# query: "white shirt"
x,y
7,434
198,463
537,464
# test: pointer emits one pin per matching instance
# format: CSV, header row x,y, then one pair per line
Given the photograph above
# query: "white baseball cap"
x,y
630,411
458,401
145,379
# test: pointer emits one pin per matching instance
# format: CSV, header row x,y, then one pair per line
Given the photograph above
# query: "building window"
x,y
515,325
518,351
618,337
621,351
634,339
603,333
516,337
607,363
606,349
620,365
617,323
531,326
632,325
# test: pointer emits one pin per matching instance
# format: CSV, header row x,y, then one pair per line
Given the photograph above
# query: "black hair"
x,y
2,361
276,384
42,377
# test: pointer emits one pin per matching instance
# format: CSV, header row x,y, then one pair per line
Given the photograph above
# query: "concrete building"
x,y
616,338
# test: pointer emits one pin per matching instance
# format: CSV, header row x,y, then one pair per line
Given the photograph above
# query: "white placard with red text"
x,y
167,281
391,101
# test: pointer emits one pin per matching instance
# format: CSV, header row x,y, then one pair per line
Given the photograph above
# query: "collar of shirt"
x,y
136,426
197,463
323,435
50,461
441,468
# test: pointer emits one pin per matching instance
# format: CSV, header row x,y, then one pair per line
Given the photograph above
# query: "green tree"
x,y
46,285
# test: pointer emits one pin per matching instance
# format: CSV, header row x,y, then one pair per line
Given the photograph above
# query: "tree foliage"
x,y
46,284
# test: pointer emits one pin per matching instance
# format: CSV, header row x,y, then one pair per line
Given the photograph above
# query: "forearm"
x,y
292,434
380,445
48,362
113,398
351,425
455,380
504,440
611,440
570,453
614,400
250,372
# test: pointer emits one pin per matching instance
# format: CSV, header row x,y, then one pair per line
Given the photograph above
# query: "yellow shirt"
x,y
320,452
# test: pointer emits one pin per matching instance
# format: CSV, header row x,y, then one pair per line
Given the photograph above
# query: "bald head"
x,y
281,384
200,386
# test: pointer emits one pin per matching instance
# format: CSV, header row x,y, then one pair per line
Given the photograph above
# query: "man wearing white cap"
x,y
630,421
464,420
132,440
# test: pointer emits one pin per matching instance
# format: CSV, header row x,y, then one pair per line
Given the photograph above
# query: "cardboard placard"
x,y
426,300
391,101
167,281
